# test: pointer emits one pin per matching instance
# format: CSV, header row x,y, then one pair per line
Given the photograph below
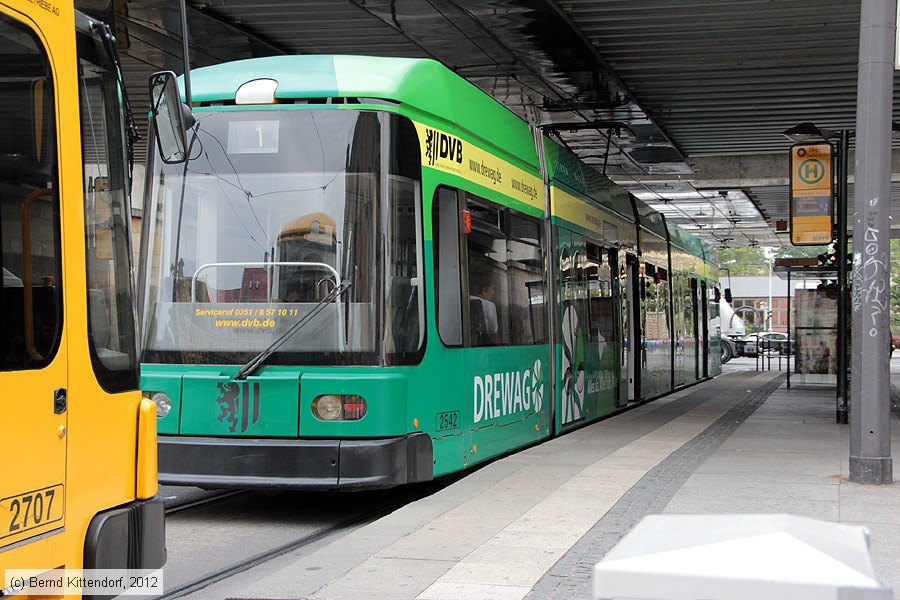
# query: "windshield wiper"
x,y
257,361
132,134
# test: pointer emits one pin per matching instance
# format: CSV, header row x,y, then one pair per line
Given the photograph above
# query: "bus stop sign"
x,y
812,194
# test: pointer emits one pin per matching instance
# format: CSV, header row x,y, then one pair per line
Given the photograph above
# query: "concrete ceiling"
x,y
690,97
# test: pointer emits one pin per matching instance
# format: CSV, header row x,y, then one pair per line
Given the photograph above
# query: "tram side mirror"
x,y
170,116
728,295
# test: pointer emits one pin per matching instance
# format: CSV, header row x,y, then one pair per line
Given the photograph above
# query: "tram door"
x,y
618,269
704,330
573,327
33,351
678,310
630,379
695,330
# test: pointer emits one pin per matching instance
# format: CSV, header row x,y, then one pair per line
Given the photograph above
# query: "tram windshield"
x,y
272,211
106,152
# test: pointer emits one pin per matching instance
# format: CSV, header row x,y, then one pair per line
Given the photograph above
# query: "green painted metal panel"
x,y
384,391
260,406
508,398
448,453
685,240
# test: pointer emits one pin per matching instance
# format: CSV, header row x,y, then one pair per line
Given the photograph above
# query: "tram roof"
x,y
424,84
684,240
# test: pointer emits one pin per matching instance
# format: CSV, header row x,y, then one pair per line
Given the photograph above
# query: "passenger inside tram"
x,y
485,327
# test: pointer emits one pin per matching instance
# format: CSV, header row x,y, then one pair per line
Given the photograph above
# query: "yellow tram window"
x,y
31,288
107,218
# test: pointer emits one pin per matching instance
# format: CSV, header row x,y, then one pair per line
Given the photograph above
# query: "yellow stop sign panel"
x,y
811,194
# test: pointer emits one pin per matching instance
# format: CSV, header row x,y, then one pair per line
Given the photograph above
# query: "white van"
x,y
732,327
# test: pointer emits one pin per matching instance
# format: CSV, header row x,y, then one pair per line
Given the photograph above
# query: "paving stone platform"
x,y
533,524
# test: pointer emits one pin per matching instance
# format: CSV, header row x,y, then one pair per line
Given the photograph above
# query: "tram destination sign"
x,y
811,194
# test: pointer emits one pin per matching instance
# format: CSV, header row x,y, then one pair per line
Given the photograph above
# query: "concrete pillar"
x,y
870,433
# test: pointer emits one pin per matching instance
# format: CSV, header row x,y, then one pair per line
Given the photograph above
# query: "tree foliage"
x,y
744,261
800,251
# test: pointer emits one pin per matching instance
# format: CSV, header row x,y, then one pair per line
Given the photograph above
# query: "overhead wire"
x,y
563,98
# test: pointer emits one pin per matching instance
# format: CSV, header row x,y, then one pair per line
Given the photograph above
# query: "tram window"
x,y
111,318
526,281
31,300
488,280
600,304
497,260
656,304
663,306
447,281
405,315
405,310
713,314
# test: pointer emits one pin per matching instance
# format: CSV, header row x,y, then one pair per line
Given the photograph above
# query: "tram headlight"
x,y
354,408
162,401
339,407
328,407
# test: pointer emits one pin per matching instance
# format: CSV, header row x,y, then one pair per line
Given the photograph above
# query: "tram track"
x,y
175,508
225,534
257,559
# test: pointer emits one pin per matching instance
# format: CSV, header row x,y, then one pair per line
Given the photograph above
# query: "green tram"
x,y
354,280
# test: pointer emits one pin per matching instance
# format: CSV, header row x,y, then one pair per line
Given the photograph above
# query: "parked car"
x,y
750,345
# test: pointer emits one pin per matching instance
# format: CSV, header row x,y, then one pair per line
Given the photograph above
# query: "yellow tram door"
x,y
33,349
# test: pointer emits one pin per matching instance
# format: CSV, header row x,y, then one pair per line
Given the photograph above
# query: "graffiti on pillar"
x,y
870,275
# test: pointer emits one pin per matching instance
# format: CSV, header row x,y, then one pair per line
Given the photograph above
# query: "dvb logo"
x,y
441,145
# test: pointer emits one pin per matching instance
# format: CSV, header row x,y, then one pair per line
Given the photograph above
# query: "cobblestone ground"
x,y
571,576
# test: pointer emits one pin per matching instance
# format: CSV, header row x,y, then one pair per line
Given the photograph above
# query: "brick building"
x,y
750,300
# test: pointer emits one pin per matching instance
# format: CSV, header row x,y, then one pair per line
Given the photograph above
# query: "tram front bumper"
x,y
132,536
295,463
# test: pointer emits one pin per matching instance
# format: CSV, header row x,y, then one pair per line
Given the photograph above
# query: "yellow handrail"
x,y
28,293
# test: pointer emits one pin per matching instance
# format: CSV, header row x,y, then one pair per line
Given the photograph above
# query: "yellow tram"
x,y
77,440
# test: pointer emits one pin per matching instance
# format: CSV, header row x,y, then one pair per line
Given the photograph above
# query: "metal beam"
x,y
721,171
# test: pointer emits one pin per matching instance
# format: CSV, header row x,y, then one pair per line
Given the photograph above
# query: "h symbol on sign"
x,y
812,171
